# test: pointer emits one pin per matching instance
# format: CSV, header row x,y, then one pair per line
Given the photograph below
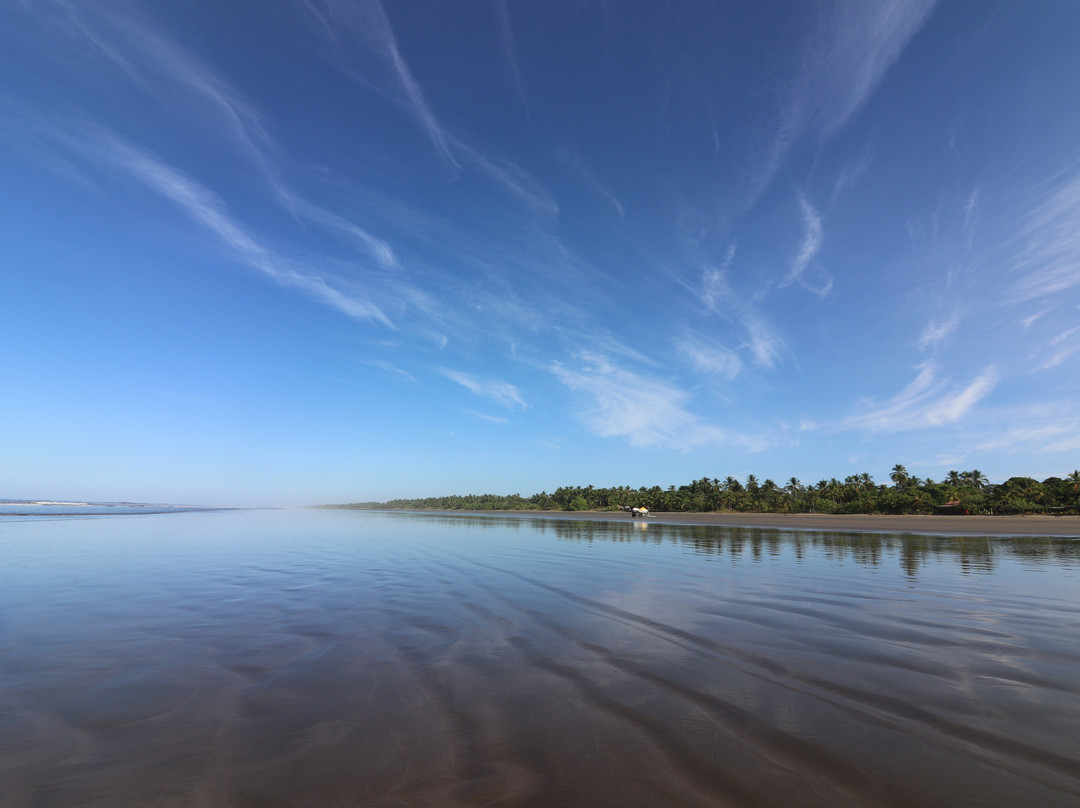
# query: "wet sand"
x,y
1062,526
266,660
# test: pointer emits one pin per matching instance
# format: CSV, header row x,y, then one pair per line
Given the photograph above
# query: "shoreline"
x,y
969,525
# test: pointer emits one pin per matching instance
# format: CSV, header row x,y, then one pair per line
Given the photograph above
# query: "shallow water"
x,y
284,658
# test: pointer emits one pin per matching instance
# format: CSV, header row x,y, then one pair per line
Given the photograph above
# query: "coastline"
x,y
972,525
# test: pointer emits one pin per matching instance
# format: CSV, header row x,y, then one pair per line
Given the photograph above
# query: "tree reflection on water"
x,y
973,554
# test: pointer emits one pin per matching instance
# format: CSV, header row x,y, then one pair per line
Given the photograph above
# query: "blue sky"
x,y
314,250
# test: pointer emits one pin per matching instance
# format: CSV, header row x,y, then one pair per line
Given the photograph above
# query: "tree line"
x,y
960,492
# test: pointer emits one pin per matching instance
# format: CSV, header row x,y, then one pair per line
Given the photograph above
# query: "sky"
x,y
305,251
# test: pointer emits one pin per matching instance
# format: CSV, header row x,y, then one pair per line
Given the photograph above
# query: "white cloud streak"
x,y
172,77
1058,358
573,159
644,411
357,31
1059,349
514,180
1048,263
204,208
411,87
760,338
709,357
971,214
850,48
376,248
389,367
851,174
506,35
1031,319
848,57
344,24
1042,429
813,236
175,79
715,290
937,331
483,416
811,242
502,393
926,402
762,341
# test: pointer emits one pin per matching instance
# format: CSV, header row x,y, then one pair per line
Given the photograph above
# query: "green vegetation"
x,y
960,492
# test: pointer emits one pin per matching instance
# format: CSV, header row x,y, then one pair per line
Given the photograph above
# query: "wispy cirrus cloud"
x,y
172,77
1044,428
848,55
813,235
168,74
937,331
760,338
643,410
389,367
1048,261
500,392
708,356
483,416
506,35
360,33
928,401
851,174
1060,348
574,160
811,242
348,26
847,52
715,289
514,180
1058,358
378,249
1031,319
208,211
121,40
971,215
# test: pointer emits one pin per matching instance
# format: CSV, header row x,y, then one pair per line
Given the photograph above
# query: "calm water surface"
x,y
285,658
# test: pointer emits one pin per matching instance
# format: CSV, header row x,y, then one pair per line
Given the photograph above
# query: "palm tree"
x,y
770,491
954,479
976,479
920,501
899,476
1021,492
1074,480
868,489
752,485
834,490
